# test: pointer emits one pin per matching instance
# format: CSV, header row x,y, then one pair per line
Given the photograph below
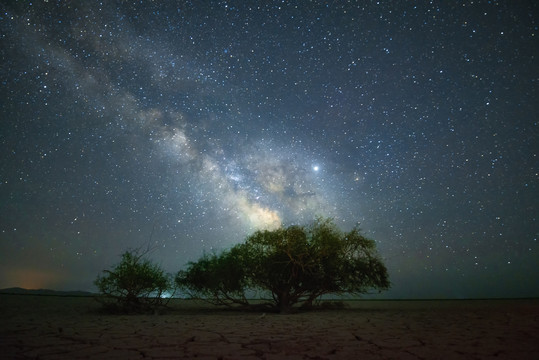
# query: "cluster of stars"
x,y
192,125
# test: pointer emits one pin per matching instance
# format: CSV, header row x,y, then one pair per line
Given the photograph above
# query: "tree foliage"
x,y
134,285
294,265
219,279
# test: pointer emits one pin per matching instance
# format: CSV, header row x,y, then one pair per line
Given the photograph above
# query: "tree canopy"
x,y
134,285
293,265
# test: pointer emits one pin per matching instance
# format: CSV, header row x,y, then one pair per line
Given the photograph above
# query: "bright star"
x,y
316,168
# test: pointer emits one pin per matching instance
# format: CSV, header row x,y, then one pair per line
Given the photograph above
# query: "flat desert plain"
x,y
51,327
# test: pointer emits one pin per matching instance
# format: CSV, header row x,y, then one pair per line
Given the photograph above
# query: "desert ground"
x,y
52,327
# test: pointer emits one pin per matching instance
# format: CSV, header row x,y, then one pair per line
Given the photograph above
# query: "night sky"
x,y
191,124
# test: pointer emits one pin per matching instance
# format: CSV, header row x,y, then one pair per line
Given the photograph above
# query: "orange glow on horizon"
x,y
34,278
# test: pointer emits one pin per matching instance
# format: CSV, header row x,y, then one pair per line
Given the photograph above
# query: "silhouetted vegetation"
x,y
134,285
293,266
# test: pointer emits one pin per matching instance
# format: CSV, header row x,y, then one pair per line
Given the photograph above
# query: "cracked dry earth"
x,y
34,327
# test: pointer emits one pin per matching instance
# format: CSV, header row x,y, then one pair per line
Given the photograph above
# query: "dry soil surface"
x,y
50,327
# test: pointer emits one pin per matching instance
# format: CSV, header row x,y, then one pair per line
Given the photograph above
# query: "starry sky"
x,y
188,125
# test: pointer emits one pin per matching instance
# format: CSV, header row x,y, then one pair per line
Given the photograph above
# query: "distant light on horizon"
x,y
32,279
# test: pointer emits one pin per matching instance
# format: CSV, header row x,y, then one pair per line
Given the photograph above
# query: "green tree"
x,y
294,265
221,280
134,285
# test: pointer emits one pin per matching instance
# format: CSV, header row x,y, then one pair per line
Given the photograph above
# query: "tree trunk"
x,y
308,304
285,307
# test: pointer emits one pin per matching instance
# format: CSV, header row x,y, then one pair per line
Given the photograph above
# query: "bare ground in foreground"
x,y
51,327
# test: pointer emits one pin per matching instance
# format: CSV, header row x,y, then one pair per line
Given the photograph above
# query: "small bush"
x,y
134,285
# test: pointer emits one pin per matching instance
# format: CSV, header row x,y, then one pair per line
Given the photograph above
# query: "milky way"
x,y
189,125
